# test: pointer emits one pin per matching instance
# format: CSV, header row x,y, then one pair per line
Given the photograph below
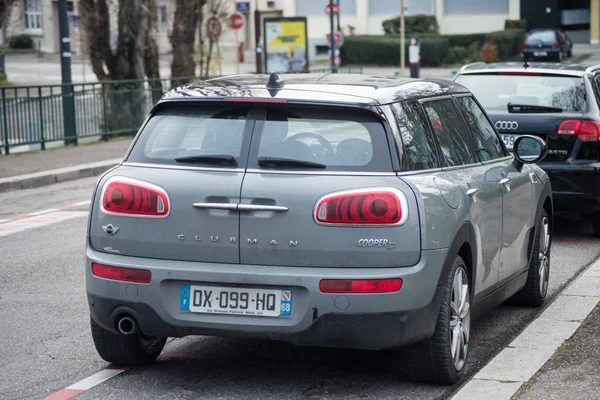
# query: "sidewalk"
x,y
573,371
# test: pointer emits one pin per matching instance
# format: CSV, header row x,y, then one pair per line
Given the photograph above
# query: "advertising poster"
x,y
286,45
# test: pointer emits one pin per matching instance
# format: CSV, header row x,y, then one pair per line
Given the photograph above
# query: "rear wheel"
x,y
134,349
596,225
442,358
534,292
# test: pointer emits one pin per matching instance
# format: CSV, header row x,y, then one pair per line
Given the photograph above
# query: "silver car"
x,y
322,210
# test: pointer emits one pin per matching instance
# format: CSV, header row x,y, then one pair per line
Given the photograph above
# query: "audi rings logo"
x,y
507,125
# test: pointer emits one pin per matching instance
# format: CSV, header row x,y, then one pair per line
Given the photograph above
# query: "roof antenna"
x,y
526,64
275,81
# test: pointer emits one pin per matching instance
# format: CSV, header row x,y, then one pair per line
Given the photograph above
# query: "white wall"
x,y
475,23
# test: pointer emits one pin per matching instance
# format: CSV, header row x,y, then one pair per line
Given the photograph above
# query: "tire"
x,y
434,361
126,350
535,290
596,226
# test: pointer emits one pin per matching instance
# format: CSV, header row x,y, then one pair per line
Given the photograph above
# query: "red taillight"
x,y
363,207
131,197
254,100
555,45
360,286
121,274
587,131
525,46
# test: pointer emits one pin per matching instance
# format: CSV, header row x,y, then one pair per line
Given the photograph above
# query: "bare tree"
x,y
136,55
188,16
6,7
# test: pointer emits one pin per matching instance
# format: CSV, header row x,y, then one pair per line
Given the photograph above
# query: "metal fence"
x,y
35,115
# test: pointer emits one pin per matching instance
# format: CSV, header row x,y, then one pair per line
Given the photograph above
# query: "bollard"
x,y
414,56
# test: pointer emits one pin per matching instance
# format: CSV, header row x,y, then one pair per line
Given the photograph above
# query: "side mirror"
x,y
530,149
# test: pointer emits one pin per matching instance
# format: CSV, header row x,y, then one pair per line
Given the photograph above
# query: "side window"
x,y
488,142
418,143
448,129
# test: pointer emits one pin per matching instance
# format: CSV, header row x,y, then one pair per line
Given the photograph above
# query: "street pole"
x,y
402,55
339,28
332,39
68,101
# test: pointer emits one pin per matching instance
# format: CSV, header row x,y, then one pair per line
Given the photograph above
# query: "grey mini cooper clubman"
x,y
322,210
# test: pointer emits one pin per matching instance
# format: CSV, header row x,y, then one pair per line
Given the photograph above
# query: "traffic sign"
x,y
337,52
338,61
243,6
336,9
213,27
236,21
337,37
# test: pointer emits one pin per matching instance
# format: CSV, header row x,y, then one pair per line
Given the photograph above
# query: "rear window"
x,y
494,92
346,140
543,36
186,131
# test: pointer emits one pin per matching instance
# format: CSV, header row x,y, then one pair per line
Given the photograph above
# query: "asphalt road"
x,y
45,342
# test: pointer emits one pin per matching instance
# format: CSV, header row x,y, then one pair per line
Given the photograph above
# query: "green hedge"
x,y
20,42
415,24
436,50
385,50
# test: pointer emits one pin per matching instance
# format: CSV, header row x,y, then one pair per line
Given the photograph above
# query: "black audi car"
x,y
559,103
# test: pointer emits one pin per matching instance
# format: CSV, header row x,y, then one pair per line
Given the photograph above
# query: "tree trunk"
x,y
151,58
95,24
183,37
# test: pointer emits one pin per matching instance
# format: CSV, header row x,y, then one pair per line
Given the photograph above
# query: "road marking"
x,y
504,375
44,212
86,384
9,228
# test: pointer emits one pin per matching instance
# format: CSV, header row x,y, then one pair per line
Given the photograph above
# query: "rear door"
x,y
320,191
198,193
479,189
513,183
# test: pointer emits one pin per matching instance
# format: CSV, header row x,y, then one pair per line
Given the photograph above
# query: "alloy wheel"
x,y
544,259
460,318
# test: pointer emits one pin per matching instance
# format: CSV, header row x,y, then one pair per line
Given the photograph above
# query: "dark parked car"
x,y
559,103
549,44
326,210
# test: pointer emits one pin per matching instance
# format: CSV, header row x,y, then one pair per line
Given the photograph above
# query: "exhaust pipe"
x,y
127,325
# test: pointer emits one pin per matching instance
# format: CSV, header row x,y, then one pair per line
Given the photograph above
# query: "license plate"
x,y
509,140
540,53
236,301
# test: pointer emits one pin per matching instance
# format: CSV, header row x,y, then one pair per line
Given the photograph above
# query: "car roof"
x,y
317,88
578,70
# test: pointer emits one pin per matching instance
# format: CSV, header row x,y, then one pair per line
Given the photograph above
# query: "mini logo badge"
x,y
110,229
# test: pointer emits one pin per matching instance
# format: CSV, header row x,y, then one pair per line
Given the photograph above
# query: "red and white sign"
x,y
337,37
236,21
336,9
213,28
338,61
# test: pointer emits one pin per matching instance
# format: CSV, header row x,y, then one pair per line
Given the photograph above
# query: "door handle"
x,y
506,183
216,206
473,193
258,207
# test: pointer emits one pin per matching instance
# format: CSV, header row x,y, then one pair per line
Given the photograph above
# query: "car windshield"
x,y
496,91
543,36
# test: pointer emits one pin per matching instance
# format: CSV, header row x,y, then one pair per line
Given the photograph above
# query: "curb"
x,y
44,178
516,364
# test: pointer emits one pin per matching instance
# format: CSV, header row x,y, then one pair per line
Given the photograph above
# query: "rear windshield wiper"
x,y
530,108
209,159
287,162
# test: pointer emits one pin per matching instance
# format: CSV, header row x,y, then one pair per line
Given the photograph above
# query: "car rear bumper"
x,y
575,188
363,321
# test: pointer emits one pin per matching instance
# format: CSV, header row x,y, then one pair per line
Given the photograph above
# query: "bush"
x,y
466,40
385,50
515,24
414,25
456,55
20,42
510,42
